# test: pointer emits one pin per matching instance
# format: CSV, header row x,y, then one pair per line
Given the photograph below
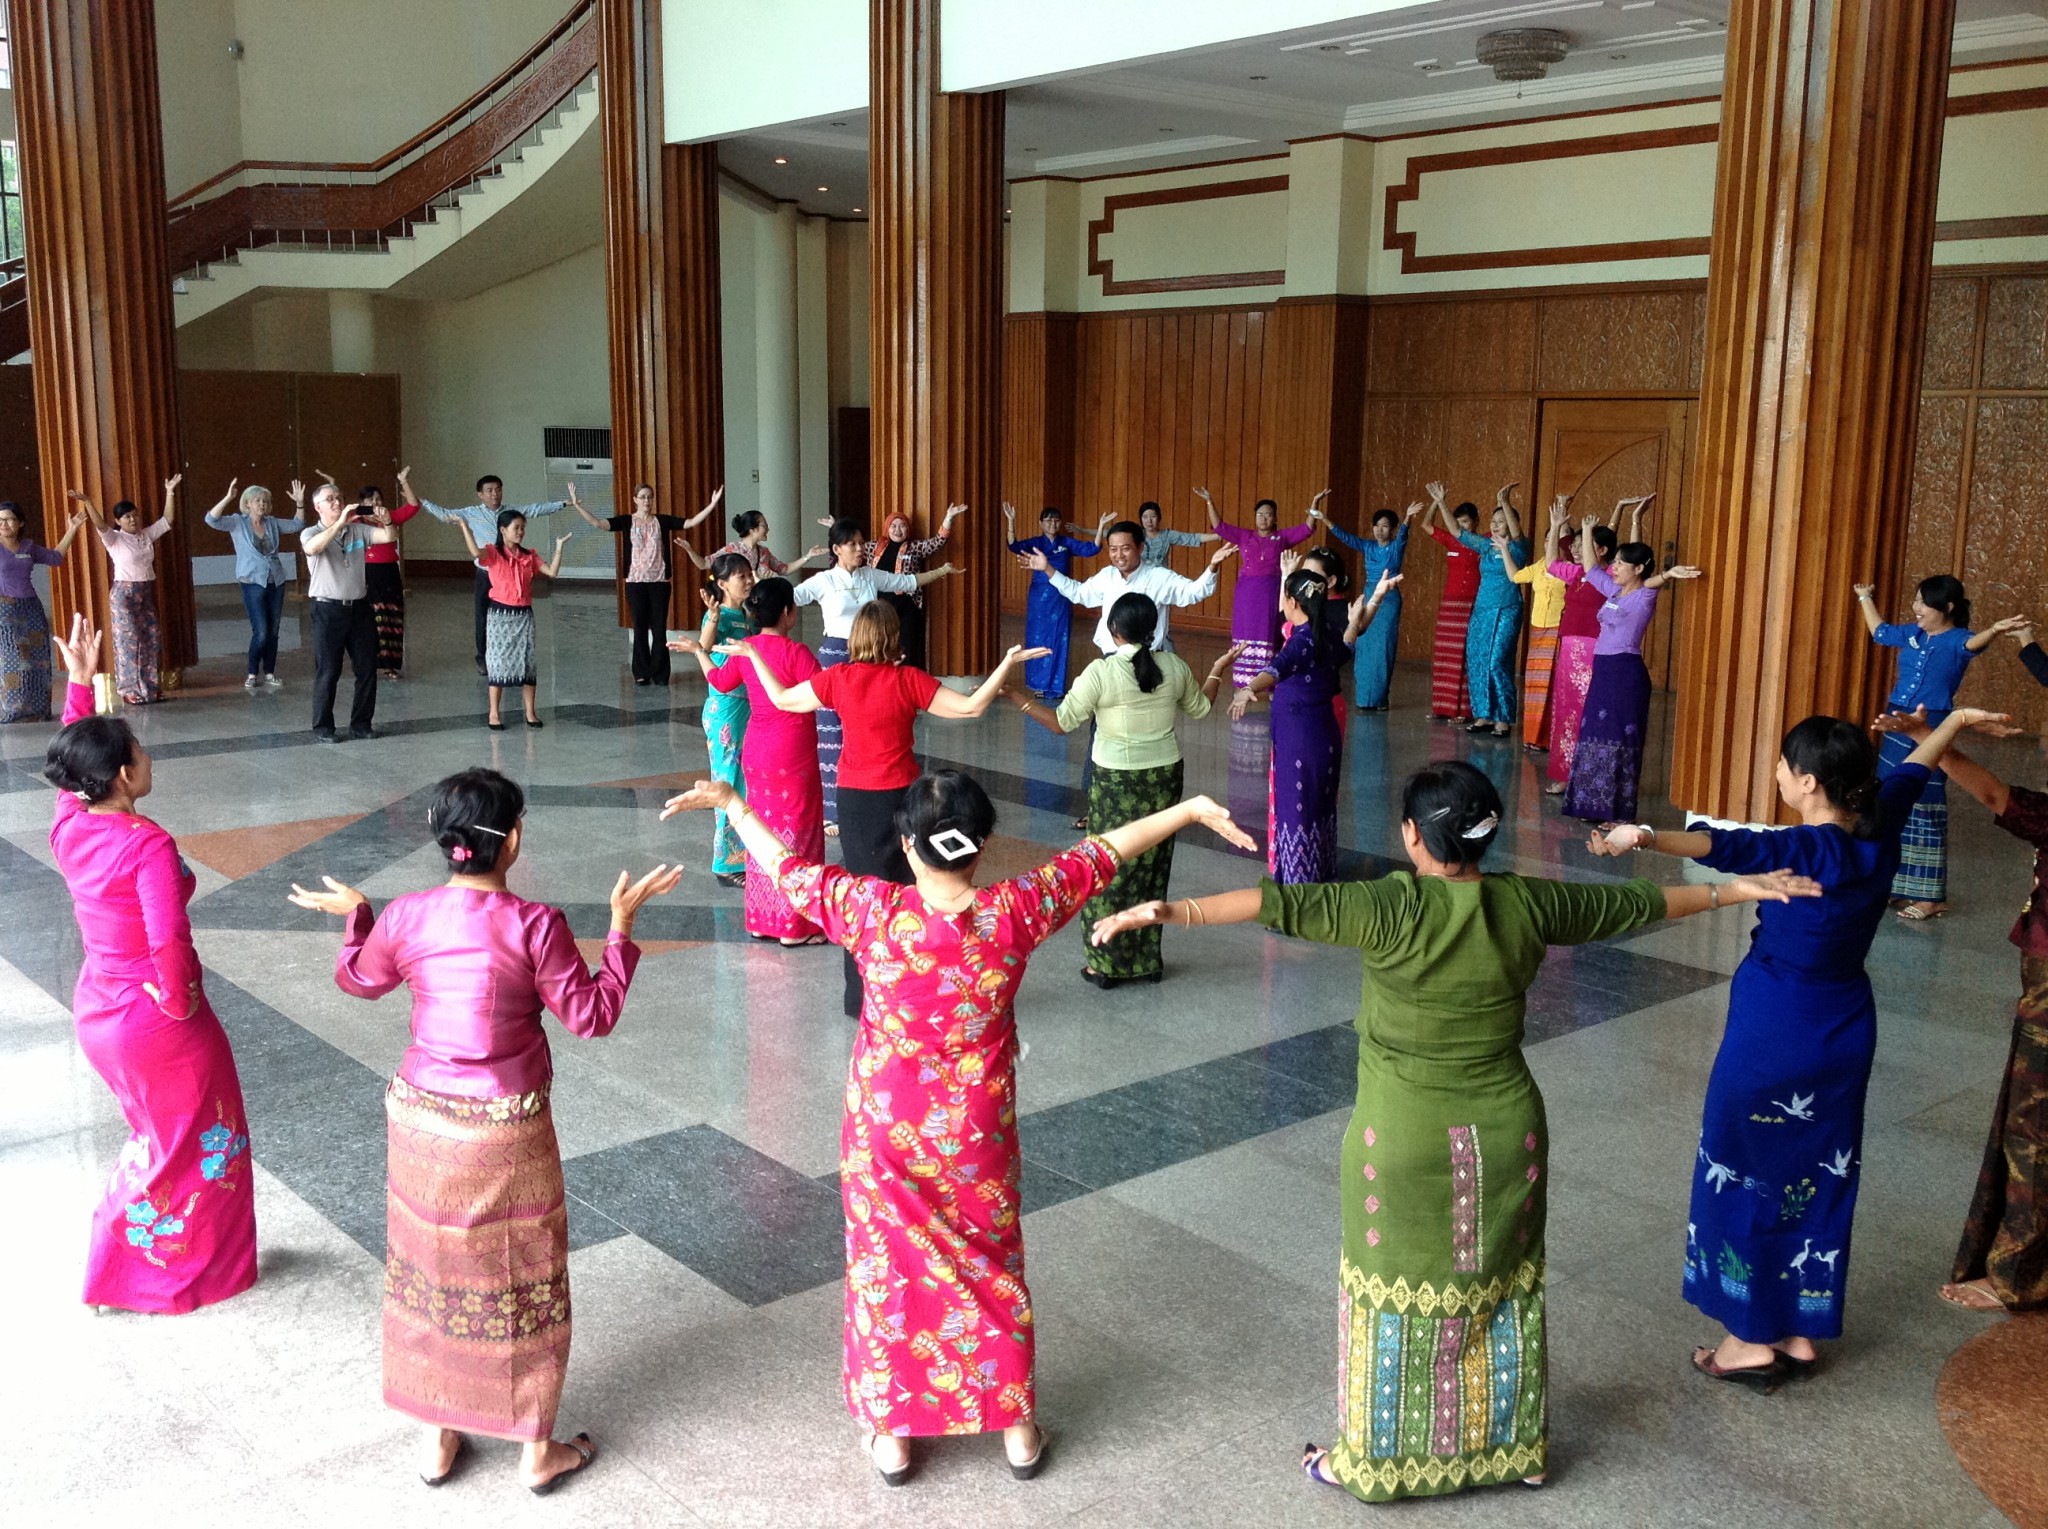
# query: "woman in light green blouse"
x,y
1134,696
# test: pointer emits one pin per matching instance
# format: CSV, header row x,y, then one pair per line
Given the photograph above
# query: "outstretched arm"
x,y
717,498
554,564
226,499
950,703
1866,607
171,498
1979,641
1209,504
469,540
92,511
1133,839
1506,500
933,575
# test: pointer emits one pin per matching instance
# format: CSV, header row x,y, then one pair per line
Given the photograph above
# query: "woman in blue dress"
x,y
1048,614
1496,620
1781,1134
1935,648
1384,552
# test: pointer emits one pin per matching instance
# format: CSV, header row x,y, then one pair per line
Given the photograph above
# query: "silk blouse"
x,y
482,966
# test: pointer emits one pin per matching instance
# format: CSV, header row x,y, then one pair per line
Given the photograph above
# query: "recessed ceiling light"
x,y
1255,76
1166,130
1617,57
781,160
1330,47
856,209
839,124
1030,148
824,188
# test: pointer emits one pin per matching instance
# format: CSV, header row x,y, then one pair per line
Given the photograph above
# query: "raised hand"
x,y
1124,920
739,647
560,541
325,477
81,651
1315,506
826,521
1560,510
569,493
1023,655
171,483
1224,550
711,600
1435,492
818,551
1505,498
953,513
1684,571
1035,560
717,494
296,492
2005,624
339,899
1777,887
1009,513
1865,591
685,645
1203,495
627,897
1993,724
1289,561
703,795
1413,510
1386,583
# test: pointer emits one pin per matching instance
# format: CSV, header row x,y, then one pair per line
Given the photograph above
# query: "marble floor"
x,y
1180,1140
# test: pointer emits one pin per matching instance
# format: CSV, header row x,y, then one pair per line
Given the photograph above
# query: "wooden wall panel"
x,y
1038,430
241,427
1951,360
2016,333
21,476
1931,517
2002,563
1625,342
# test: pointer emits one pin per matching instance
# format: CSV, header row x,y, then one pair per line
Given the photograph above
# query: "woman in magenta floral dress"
x,y
939,1334
176,1229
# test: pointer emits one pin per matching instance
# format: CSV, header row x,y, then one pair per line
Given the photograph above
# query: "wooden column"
x,y
1314,406
1039,356
99,290
661,292
935,225
1830,151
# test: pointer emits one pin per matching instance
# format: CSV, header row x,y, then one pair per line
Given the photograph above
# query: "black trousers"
x,y
870,847
648,606
910,623
344,626
483,605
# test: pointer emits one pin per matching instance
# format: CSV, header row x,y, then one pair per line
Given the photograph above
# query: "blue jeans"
x,y
264,604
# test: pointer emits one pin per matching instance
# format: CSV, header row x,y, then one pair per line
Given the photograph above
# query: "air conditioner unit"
x,y
581,457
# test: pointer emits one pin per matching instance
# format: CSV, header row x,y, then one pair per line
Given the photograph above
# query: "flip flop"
x,y
1765,1378
1914,913
1312,1456
1971,1296
585,1446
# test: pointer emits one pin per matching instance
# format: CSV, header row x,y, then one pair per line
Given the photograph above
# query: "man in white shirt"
x,y
337,590
1127,574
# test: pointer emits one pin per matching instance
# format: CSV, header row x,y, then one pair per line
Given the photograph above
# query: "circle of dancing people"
x,y
1442,1251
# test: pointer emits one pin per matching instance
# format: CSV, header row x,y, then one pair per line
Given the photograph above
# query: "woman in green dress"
x,y
1133,695
1440,1373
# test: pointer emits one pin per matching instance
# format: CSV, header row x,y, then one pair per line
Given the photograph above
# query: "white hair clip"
x,y
1483,827
952,845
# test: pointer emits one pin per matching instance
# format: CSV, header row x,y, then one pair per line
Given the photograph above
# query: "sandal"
x,y
1971,1295
809,939
1313,1458
1765,1378
1920,913
585,1446
894,1478
454,1463
1555,788
1025,1470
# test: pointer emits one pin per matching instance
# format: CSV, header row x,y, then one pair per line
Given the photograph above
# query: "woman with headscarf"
x,y
897,553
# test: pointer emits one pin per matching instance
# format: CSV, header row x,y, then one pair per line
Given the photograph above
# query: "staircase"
x,y
270,224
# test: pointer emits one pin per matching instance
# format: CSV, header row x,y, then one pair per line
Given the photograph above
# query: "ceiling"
x,y
1390,74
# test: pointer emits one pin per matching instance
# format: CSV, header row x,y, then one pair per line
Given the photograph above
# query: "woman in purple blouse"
x,y
1255,599
1608,764
24,624
476,1273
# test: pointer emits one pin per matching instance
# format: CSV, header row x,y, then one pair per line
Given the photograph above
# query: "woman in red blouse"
x,y
508,625
383,573
878,698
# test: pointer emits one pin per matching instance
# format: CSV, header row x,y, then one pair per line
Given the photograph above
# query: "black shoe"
x,y
324,734
535,722
643,682
1095,978
362,732
480,669
730,878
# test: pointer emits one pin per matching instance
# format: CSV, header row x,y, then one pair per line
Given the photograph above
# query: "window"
x,y
10,200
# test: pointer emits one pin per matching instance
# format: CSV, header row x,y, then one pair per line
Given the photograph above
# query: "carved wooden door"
x,y
1602,450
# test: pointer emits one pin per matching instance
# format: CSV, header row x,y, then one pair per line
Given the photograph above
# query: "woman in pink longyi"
x,y
176,1229
778,755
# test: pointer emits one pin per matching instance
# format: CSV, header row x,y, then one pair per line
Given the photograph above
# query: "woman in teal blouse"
x,y
1445,1160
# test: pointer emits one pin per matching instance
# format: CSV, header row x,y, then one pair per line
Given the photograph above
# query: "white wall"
x,y
201,91
728,68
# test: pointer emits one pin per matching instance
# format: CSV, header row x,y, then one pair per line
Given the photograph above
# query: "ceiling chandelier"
x,y
1522,53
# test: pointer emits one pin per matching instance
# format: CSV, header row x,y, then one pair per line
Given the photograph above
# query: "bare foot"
x,y
1733,1354
1800,1349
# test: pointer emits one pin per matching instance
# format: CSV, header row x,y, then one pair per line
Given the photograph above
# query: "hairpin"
x,y
1483,827
952,845
495,833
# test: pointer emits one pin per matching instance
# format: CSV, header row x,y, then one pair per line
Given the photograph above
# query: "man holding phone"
x,y
338,591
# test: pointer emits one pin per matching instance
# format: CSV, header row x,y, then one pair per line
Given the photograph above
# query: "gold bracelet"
x,y
1195,909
